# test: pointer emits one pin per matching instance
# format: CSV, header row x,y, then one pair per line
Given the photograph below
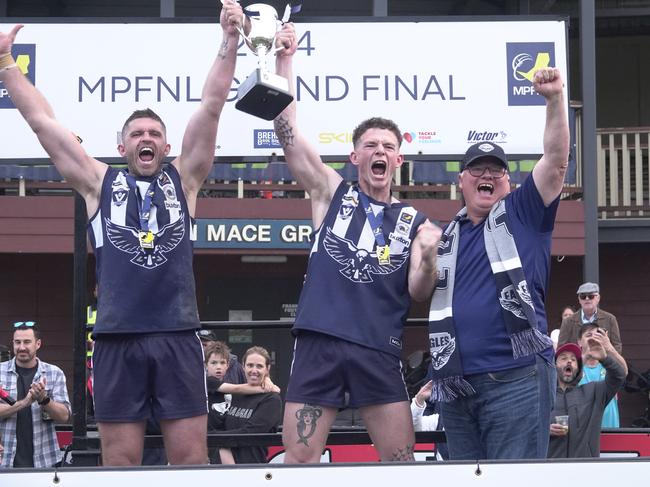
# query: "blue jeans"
x,y
507,418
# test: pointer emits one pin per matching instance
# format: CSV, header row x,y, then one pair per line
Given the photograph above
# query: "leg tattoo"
x,y
284,131
307,417
403,454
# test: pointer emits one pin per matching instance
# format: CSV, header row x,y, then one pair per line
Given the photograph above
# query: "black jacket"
x,y
257,413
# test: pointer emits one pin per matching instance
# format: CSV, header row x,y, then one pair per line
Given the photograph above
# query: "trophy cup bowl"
x,y
262,94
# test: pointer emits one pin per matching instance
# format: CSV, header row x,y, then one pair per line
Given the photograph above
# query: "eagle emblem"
x,y
441,348
359,264
126,239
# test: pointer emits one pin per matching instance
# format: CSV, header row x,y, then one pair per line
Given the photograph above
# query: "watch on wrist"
x,y
45,401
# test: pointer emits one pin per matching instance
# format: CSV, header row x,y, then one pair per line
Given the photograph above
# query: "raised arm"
x,y
197,151
82,171
549,172
422,267
318,179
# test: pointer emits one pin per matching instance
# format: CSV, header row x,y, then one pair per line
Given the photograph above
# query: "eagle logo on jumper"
x,y
441,348
510,302
126,239
359,264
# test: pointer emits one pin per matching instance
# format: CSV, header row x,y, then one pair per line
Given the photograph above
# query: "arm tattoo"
x,y
306,427
223,49
403,454
284,131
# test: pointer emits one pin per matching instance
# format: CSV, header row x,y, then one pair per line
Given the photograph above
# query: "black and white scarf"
x,y
512,291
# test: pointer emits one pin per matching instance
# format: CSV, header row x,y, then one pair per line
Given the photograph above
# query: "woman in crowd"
x,y
252,413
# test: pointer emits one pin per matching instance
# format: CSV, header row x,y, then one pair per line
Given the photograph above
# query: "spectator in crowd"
x,y
555,334
491,354
370,255
429,422
593,371
235,372
566,312
589,299
258,412
583,404
39,389
147,359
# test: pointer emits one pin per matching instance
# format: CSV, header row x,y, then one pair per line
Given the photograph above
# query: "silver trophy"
x,y
263,94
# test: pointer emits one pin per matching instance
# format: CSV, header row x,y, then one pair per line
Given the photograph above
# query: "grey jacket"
x,y
585,405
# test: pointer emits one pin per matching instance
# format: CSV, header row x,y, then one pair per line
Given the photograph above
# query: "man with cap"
x,y
589,298
491,356
583,404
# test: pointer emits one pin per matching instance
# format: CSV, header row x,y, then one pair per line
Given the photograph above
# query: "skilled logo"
x,y
25,56
523,60
265,139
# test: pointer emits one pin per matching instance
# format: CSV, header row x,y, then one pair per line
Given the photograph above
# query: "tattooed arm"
x,y
318,179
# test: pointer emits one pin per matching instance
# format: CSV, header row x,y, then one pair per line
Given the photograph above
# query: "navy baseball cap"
x,y
483,149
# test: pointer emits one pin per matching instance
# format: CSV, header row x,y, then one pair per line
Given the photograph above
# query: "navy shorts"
x,y
149,375
324,368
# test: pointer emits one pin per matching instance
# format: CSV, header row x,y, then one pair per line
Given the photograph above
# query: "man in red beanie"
x,y
583,404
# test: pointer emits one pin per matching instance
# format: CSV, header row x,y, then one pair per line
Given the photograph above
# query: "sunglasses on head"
x,y
587,296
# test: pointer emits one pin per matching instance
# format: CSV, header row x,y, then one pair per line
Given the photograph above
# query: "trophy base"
x,y
264,95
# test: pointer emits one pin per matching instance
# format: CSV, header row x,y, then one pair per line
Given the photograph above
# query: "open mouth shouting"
x,y
486,188
378,168
146,154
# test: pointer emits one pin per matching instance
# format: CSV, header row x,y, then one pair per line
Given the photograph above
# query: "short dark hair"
x,y
217,348
146,113
34,328
376,123
586,327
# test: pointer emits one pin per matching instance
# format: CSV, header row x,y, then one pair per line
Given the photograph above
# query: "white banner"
x,y
447,84
630,473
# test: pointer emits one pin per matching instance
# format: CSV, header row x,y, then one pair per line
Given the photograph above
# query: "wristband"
x,y
7,61
44,402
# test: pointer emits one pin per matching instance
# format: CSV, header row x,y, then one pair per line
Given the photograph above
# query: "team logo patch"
x,y
127,240
345,211
119,196
441,347
509,299
359,264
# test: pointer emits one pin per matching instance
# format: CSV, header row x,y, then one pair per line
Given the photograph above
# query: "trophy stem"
x,y
262,58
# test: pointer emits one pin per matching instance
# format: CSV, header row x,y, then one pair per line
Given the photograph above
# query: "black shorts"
x,y
324,368
149,375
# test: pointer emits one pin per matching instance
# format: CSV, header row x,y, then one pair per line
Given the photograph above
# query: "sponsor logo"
x,y
25,56
406,218
265,139
396,342
422,137
496,136
523,59
172,205
398,238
